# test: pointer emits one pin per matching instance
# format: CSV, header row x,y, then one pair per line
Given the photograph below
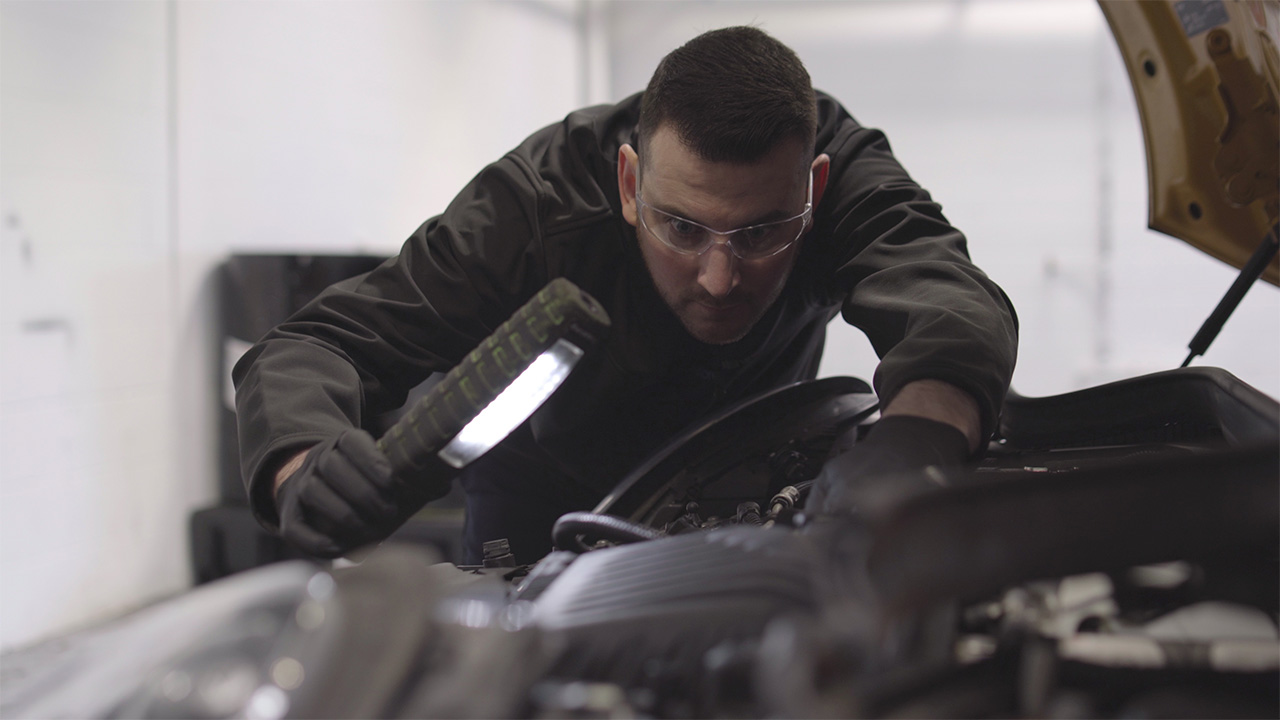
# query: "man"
x,y
722,218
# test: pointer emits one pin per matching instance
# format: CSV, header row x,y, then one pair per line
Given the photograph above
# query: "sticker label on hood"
x,y
1198,16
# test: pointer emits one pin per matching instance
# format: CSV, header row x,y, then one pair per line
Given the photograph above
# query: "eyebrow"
x,y
771,216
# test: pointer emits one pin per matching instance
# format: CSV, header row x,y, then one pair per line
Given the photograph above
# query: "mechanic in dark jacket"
x,y
722,218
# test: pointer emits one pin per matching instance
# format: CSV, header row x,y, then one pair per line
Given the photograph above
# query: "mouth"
x,y
717,321
720,305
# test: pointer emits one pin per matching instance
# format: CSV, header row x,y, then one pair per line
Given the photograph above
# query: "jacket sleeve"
x,y
362,344
905,276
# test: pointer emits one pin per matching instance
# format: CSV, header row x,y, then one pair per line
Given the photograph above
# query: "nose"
x,y
718,269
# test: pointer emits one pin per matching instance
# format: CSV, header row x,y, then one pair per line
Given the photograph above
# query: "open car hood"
x,y
1205,74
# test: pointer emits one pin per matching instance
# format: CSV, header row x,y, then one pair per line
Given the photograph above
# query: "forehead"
x,y
677,179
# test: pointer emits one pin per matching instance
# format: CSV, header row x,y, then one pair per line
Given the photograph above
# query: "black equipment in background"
x,y
256,293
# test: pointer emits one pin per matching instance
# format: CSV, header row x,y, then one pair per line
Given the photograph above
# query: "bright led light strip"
x,y
512,406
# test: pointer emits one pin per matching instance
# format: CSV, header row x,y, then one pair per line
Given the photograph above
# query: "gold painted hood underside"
x,y
1205,74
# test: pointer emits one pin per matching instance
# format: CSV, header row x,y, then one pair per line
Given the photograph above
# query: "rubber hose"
x,y
569,530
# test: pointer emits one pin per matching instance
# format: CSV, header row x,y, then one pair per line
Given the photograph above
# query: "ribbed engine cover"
x,y
634,613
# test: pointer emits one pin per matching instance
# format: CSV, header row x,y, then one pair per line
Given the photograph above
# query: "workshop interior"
x,y
176,178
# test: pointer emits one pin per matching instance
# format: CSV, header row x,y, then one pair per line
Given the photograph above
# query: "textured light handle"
x,y
559,311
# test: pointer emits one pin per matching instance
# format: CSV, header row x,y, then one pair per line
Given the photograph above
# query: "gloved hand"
x,y
897,448
344,496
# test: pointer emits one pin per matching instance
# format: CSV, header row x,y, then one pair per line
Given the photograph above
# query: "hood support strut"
x,y
1248,275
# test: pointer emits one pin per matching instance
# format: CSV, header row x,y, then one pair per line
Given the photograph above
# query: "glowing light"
x,y
321,586
287,673
268,703
514,405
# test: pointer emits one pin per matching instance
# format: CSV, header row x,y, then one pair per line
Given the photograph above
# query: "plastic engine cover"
x,y
630,614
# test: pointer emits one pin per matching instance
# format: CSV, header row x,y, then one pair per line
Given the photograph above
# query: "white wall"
x,y
141,143
333,126
1019,118
88,490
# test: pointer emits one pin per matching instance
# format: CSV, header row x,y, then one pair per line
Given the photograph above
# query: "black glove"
x,y
344,496
899,446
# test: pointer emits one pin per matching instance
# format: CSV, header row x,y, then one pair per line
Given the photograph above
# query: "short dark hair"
x,y
731,95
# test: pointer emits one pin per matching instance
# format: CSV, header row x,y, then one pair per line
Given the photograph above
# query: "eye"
x,y
679,227
758,236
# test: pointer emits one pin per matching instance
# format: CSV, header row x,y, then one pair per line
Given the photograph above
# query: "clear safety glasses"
x,y
753,242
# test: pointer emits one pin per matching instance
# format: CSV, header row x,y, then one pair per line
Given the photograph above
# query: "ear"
x,y
821,171
628,180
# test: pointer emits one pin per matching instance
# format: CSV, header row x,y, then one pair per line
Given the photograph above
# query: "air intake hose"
x,y
578,531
